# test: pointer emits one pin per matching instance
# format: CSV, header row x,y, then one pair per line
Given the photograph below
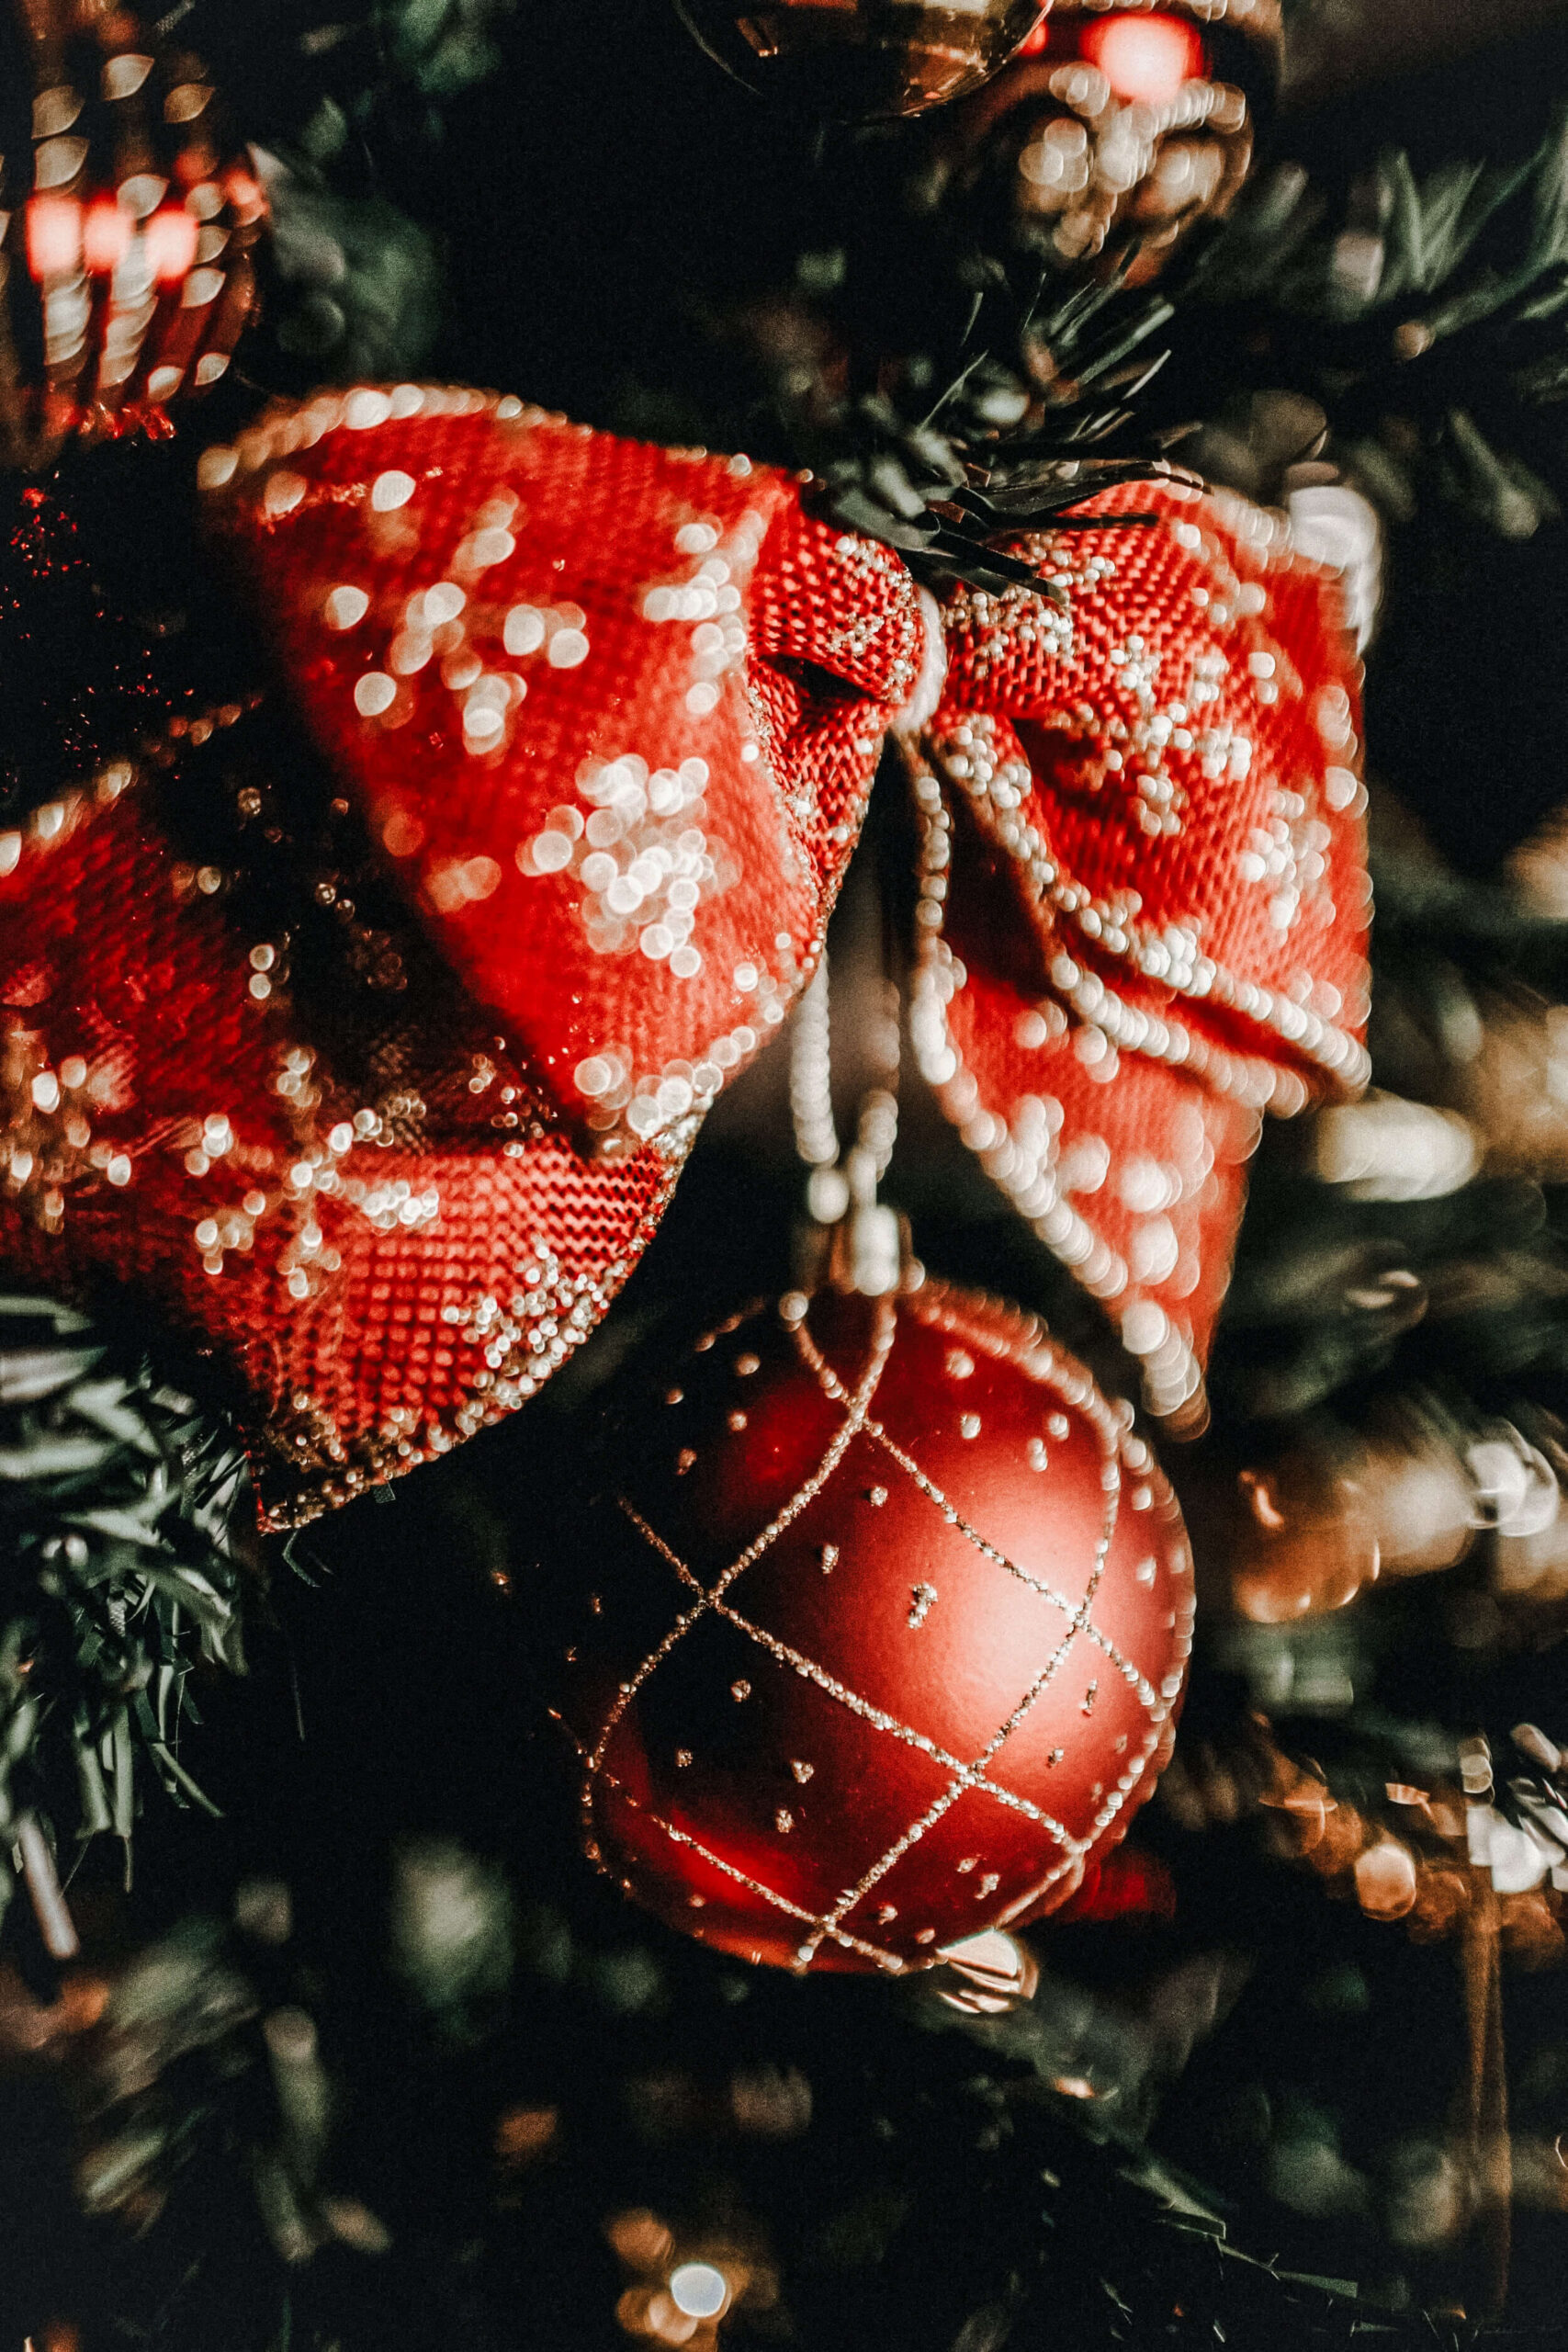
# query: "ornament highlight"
x,y
881,1632
990,1974
854,59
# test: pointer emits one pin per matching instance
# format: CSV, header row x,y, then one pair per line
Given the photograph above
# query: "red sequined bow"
x,y
598,723
1144,906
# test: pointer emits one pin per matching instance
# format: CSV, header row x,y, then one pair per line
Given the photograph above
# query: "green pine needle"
x,y
118,1574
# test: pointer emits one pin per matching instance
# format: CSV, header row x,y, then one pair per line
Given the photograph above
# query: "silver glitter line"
x,y
1026,1902
1108,1433
884,1863
1131,1675
881,1345
955,1517
652,1535
965,1776
1078,1620
629,1691
820,1925
1110,1438
973,1774
1005,1730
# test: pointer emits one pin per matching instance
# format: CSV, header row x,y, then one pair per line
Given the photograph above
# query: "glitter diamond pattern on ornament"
x,y
889,1638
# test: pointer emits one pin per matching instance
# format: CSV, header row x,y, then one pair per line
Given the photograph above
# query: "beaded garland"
x,y
1144,903
259,1059
885,1631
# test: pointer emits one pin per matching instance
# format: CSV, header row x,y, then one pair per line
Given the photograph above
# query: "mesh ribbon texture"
x,y
1145,904
369,1052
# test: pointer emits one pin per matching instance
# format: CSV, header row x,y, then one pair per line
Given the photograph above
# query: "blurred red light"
x,y
54,236
105,238
171,244
1144,59
246,196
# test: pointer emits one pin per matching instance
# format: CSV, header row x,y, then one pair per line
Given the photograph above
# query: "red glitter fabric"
x,y
1144,907
374,1177
533,651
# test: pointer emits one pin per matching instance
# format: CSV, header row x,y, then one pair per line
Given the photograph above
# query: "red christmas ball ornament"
x,y
126,228
883,1632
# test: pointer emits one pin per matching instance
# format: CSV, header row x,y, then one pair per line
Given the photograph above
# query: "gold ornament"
x,y
1305,1541
126,226
861,59
1118,129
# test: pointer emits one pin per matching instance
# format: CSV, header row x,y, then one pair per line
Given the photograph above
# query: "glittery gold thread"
x,y
884,1958
972,1776
955,1517
881,1340
882,1721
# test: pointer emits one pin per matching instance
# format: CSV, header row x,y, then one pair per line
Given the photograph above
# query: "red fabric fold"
x,y
1146,905
373,1095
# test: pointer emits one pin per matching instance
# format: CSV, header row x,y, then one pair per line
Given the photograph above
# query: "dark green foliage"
x,y
1426,310
351,285
1475,1321
345,105
118,1572
375,74
433,2046
838,305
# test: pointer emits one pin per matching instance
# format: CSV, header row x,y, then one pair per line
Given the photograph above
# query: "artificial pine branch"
x,y
1426,312
118,1574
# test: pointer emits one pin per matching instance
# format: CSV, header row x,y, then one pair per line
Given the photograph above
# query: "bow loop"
x,y
611,711
383,1100
1146,899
